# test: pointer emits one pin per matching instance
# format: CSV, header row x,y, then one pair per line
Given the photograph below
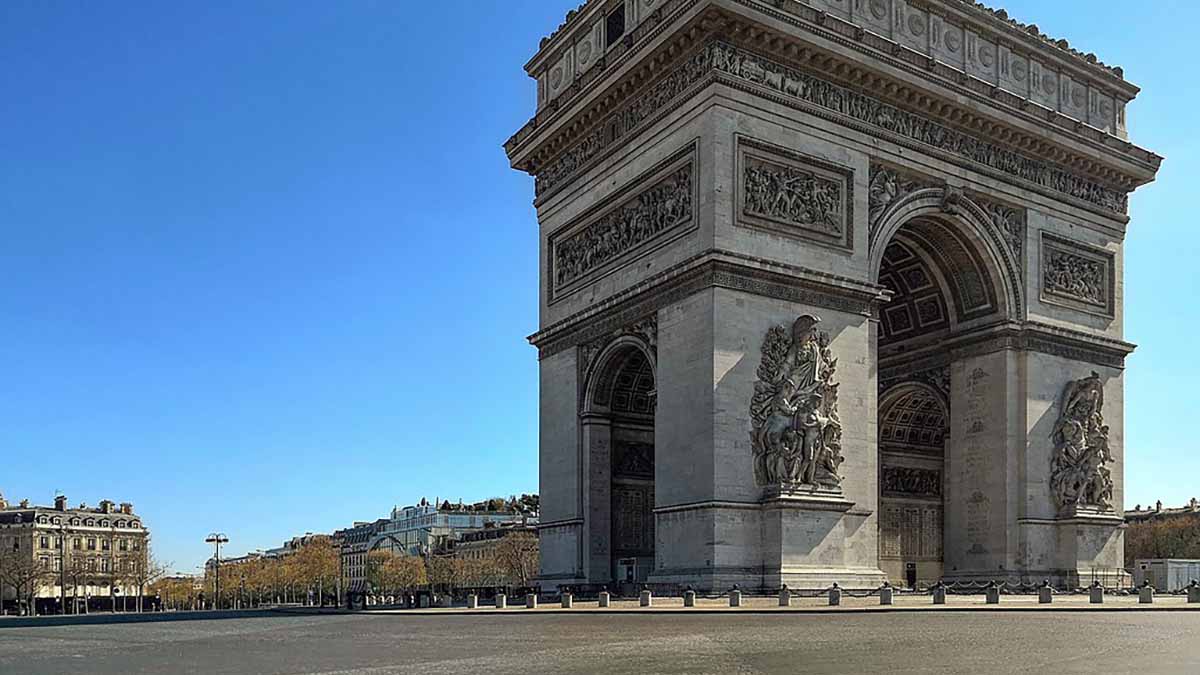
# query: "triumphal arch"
x,y
830,291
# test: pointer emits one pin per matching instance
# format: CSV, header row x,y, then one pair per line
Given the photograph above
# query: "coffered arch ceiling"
x,y
937,280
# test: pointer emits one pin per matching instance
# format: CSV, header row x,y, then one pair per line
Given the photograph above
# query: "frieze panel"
x,y
1078,276
795,195
903,481
611,232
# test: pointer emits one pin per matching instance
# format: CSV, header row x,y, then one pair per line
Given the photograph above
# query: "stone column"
x,y
597,462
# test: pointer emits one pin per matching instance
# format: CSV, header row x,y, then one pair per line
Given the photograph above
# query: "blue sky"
x,y
266,270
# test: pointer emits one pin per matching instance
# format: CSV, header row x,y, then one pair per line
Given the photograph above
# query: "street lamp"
x,y
216,539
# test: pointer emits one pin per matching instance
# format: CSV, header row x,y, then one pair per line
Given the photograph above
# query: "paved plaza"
x,y
547,641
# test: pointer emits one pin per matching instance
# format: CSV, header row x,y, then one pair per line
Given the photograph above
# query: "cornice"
x,y
714,268
558,125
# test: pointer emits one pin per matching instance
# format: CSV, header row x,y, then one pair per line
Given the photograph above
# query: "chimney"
x,y
60,503
105,506
1194,504
127,508
3,502
1158,505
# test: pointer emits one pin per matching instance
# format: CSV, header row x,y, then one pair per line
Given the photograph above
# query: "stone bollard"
x,y
1096,594
605,598
835,595
472,601
646,599
1193,592
424,602
1045,593
785,596
1146,594
939,594
568,601
886,593
735,597
531,601
993,593
689,598
501,601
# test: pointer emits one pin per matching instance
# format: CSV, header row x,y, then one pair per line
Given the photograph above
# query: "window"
x,y
91,543
44,542
16,544
104,564
104,523
105,544
137,545
123,545
614,26
58,564
91,564
77,544
45,563
91,522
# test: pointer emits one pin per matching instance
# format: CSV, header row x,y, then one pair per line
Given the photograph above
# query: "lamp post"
x,y
216,539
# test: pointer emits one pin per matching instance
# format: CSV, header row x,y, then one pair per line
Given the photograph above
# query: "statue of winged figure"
x,y
1078,472
796,434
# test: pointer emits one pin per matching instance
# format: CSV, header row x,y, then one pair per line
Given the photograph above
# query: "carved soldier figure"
x,y
1078,475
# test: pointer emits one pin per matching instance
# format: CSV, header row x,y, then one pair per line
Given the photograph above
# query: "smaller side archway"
x,y
914,429
618,442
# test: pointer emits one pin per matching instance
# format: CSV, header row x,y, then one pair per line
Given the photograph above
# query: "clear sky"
x,y
265,269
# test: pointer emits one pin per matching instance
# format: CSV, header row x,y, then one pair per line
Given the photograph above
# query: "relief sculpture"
x,y
1074,276
1079,476
795,196
796,433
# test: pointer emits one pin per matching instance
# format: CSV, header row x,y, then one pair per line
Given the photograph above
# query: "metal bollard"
x,y
939,594
1146,594
993,593
472,601
1045,593
735,597
646,599
689,598
785,596
501,601
531,601
605,598
835,595
568,601
1193,592
1096,594
886,593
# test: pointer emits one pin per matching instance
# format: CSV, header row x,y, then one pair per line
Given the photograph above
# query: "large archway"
x,y
949,279
619,417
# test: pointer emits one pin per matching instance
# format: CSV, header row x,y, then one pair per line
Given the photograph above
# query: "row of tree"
x,y
1176,536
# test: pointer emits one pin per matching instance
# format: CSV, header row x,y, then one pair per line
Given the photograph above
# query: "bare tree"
x,y
517,557
24,573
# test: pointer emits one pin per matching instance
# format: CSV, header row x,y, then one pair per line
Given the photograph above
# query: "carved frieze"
x,y
625,224
796,432
902,481
1077,275
887,186
795,195
1079,475
1009,222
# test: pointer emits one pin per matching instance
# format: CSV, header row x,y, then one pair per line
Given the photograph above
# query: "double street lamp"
x,y
216,539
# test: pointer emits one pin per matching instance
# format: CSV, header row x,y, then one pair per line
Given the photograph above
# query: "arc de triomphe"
x,y
831,291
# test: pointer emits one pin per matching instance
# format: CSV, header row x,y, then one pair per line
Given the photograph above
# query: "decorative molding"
x,y
1077,275
659,203
1079,477
793,194
644,329
1009,222
903,481
887,187
937,377
796,433
879,116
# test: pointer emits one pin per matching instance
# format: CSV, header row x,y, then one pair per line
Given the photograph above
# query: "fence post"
x,y
835,595
939,593
1045,593
568,600
472,601
993,593
501,601
1193,592
886,593
735,597
646,599
1146,593
689,597
1096,593
531,600
605,598
785,596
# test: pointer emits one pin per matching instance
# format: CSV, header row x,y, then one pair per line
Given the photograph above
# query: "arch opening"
x,y
620,416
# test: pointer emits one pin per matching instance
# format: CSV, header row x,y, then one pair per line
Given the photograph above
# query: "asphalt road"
x,y
915,642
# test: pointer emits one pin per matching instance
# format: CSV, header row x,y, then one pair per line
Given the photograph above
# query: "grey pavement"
x,y
381,644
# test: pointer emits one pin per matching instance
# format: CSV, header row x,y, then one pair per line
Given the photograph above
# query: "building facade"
x,y
81,555
830,291
420,529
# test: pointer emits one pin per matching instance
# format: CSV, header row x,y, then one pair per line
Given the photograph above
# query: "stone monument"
x,y
831,293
